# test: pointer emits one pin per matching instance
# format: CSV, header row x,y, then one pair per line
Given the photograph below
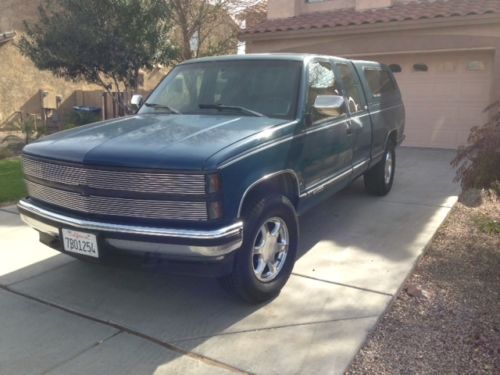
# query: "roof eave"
x,y
427,23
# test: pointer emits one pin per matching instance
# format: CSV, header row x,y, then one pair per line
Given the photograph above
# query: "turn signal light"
x,y
213,183
214,210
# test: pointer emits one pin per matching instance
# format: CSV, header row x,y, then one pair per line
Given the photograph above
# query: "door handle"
x,y
348,128
355,123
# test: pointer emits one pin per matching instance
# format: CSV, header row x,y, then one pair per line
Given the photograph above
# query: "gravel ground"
x,y
446,319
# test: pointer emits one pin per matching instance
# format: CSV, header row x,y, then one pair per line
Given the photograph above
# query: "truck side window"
x,y
321,81
380,82
352,88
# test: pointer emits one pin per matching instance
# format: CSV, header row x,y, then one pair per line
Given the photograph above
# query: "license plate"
x,y
80,243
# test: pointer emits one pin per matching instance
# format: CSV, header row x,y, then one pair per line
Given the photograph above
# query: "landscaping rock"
x,y
414,291
456,328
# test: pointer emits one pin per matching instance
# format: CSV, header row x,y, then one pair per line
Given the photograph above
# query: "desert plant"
x,y
27,125
478,162
487,224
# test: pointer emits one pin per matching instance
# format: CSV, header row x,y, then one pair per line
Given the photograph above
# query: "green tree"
x,y
105,42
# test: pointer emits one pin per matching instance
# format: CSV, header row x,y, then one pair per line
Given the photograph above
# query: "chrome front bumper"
x,y
183,243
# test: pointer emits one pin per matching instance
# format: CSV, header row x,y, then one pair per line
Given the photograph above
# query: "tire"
x,y
260,225
378,179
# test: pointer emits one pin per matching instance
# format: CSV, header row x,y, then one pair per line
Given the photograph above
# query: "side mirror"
x,y
330,105
136,101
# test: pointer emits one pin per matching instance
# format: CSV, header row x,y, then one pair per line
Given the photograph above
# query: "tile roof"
x,y
412,11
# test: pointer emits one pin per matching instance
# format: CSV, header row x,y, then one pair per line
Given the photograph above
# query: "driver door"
x,y
327,146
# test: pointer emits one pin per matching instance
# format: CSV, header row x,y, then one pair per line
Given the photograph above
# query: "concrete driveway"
x,y
62,316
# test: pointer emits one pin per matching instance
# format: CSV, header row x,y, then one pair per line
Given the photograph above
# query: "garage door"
x,y
444,94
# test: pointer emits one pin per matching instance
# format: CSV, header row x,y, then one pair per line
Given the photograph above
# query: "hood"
x,y
181,142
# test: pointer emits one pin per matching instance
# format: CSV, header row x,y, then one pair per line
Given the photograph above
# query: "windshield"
x,y
246,88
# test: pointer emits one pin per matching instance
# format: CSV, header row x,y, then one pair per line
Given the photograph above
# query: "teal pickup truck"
x,y
211,174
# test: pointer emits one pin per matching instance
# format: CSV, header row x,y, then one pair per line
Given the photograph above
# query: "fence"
x,y
106,101
48,112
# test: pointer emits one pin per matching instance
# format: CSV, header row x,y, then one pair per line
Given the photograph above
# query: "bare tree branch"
x,y
213,21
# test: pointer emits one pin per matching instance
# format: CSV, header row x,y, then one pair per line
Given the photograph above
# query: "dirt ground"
x,y
446,319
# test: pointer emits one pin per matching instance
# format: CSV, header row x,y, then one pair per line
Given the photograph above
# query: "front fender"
x,y
241,174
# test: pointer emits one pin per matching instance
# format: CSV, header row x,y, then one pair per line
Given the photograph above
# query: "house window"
x,y
420,68
476,66
446,67
395,68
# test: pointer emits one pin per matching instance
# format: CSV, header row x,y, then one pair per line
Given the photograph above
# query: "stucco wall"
x,y
320,6
290,8
13,12
20,80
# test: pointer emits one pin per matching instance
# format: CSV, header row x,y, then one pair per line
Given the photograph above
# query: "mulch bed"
x,y
446,319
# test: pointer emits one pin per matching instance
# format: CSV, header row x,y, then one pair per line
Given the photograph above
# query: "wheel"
x,y
265,261
378,180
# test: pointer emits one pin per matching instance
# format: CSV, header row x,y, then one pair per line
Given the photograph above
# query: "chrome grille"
x,y
166,183
124,207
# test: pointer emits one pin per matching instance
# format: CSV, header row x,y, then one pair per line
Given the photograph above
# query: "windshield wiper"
x,y
162,106
222,107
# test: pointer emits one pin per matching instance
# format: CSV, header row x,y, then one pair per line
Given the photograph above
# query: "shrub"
x,y
25,124
487,225
11,146
495,186
5,153
478,162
